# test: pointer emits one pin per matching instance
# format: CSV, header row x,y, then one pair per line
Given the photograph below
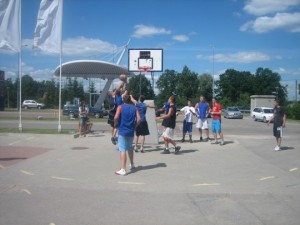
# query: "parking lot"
x,y
71,181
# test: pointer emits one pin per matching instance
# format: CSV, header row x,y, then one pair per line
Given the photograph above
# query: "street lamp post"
x,y
213,71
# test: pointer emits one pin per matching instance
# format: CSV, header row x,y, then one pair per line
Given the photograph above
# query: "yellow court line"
x,y
16,142
266,178
207,184
62,178
26,191
293,169
29,138
27,172
137,183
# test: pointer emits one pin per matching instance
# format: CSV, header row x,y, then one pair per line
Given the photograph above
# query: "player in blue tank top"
x,y
202,109
141,130
126,119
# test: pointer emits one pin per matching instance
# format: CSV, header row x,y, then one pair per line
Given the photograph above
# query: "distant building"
x,y
262,101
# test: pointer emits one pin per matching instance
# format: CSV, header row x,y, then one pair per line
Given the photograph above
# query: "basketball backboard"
x,y
149,59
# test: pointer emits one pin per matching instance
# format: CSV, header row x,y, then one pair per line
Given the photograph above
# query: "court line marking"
x,y
62,178
207,184
266,178
16,142
134,183
26,191
29,138
293,169
2,167
27,172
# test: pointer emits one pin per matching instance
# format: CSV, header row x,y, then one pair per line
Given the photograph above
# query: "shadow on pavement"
x,y
148,167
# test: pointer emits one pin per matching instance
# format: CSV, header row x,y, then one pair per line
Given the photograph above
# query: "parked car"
x,y
73,111
262,113
97,113
233,113
31,104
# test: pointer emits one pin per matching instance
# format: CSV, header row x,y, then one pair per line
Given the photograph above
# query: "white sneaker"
x,y
277,148
121,172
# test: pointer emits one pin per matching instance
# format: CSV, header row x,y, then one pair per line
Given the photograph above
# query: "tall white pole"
x,y
20,70
213,72
60,62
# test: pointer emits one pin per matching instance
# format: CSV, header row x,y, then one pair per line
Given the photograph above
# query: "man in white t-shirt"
x,y
189,112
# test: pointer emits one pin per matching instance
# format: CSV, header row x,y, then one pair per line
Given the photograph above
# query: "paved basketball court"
x,y
61,180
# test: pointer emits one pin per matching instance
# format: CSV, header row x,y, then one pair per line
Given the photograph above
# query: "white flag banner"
x,y
47,34
10,25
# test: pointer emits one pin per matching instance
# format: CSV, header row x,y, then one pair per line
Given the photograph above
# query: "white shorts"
x,y
202,123
168,133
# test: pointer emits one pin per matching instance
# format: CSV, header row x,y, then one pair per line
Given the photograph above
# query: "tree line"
x,y
232,88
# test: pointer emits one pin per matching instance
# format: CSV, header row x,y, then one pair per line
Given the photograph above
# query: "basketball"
x,y
123,77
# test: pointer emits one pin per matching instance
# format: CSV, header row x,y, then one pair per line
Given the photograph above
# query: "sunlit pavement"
x,y
56,179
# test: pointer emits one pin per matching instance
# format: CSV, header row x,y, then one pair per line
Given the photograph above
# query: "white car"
x,y
31,104
262,113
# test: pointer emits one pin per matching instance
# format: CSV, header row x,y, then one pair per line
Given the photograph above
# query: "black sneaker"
x,y
206,139
201,139
177,148
113,140
166,151
191,141
182,140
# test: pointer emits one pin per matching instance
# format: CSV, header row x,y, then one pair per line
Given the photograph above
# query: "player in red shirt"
x,y
216,113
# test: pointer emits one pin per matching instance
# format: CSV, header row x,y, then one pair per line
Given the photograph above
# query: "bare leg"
x,y
278,140
123,160
130,155
142,142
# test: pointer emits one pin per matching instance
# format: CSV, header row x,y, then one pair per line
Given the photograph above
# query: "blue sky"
x,y
243,35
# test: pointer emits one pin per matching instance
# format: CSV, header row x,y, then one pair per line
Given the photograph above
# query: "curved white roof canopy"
x,y
92,69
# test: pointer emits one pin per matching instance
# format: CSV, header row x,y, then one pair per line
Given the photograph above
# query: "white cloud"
x,y
79,46
144,31
239,57
263,7
82,46
181,38
285,21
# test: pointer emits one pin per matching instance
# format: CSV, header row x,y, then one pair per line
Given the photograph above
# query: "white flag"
x,y
47,34
10,25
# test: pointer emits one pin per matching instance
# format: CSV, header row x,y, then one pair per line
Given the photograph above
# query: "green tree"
x,y
141,84
205,86
186,86
166,84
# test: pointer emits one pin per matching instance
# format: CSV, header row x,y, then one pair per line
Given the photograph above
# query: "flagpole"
x,y
20,70
60,60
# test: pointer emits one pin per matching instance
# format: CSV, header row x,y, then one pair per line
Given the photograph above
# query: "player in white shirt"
x,y
189,112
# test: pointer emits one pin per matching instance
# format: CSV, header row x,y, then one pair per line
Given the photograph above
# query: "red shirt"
x,y
216,108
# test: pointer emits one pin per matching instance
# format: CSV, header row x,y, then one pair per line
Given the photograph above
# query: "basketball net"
x,y
144,69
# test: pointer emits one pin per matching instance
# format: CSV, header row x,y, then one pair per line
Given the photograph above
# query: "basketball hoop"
x,y
144,69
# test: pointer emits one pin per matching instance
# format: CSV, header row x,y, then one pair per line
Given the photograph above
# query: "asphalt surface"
x,y
59,180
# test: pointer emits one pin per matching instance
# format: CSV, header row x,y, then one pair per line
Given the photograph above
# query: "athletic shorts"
x,y
277,131
125,143
168,134
142,129
202,123
216,126
82,121
187,127
111,116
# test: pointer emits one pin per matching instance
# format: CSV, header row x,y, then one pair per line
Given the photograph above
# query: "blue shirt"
x,y
142,108
127,120
202,109
118,99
